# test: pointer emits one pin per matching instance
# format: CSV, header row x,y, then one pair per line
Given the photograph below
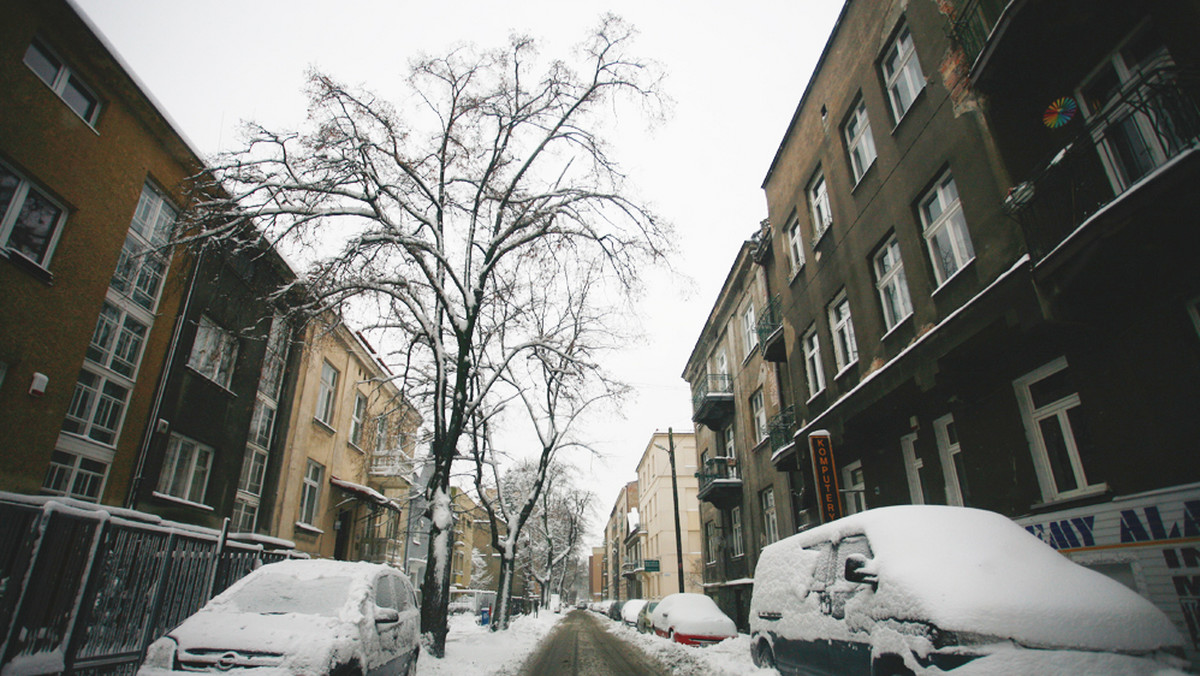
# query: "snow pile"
x,y
473,649
730,657
1056,663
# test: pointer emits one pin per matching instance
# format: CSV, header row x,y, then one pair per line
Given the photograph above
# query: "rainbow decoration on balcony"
x,y
1060,112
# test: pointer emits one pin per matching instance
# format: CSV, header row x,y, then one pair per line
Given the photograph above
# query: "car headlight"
x,y
161,653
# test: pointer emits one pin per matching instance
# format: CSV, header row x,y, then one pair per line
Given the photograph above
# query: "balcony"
x,y
782,428
1149,120
762,242
712,399
975,23
720,482
391,464
631,568
770,331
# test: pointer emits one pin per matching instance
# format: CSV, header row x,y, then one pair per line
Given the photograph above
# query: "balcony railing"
x,y
712,398
974,23
631,568
1151,119
782,428
392,464
719,480
770,331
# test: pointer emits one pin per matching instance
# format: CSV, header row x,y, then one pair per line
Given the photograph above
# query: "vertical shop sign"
x,y
829,498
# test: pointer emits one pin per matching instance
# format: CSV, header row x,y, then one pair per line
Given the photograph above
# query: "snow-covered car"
x,y
692,619
614,610
933,589
645,618
300,617
629,611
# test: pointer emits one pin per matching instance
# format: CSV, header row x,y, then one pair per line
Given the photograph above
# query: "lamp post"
x,y
675,499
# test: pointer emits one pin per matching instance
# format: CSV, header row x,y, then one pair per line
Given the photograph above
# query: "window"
x,y
254,468
795,245
97,408
845,347
262,424
710,538
325,398
77,95
952,460
892,284
142,267
749,327
30,221
736,544
271,378
185,469
722,363
213,352
310,494
117,340
918,488
770,522
855,487
818,202
1056,430
859,141
730,447
381,435
357,418
75,476
1137,128
812,362
759,413
245,515
945,229
902,73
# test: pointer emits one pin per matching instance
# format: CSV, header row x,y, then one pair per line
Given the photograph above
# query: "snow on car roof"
x,y
282,575
973,571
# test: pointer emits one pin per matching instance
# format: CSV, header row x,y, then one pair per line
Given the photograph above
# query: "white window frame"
x,y
855,491
947,231
749,328
818,204
860,142
949,451
770,516
357,418
262,422
327,394
142,266
902,73
270,380
736,545
310,492
244,517
710,532
841,326
254,470
1031,416
758,412
721,363
186,469
795,240
913,464
94,412
892,284
66,469
813,371
63,78
115,345
13,212
214,352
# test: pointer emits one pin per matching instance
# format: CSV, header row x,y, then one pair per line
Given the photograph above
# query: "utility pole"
x,y
675,499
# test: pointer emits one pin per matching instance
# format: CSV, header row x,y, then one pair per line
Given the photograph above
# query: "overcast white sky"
x,y
736,72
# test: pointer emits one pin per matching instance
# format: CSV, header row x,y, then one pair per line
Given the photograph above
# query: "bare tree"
x,y
424,218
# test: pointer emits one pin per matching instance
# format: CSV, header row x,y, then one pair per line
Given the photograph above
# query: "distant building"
x,y
620,586
656,512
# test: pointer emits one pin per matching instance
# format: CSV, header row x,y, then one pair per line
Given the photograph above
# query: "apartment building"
x,y
656,568
621,587
91,181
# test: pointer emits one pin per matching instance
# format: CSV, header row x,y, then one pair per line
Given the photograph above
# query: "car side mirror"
x,y
858,570
386,615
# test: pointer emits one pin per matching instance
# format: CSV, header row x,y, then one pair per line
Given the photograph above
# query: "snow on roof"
x,y
968,570
365,493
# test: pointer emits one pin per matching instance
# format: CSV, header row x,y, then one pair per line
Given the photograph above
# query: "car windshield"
x,y
270,594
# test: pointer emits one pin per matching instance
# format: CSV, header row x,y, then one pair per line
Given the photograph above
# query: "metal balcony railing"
x,y
1151,119
712,397
390,464
974,23
770,330
782,428
720,468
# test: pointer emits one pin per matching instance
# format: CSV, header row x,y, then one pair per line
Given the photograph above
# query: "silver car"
x,y
304,616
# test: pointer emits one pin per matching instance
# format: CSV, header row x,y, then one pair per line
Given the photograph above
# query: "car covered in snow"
x,y
692,619
300,617
931,589
645,618
629,611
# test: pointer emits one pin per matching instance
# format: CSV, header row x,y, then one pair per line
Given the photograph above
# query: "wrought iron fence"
x,y
782,428
710,384
1149,120
771,319
85,589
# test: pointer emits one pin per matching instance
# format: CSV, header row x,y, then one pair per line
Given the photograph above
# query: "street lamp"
x,y
675,499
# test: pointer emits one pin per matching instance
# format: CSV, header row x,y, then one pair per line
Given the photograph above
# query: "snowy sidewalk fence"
x,y
85,588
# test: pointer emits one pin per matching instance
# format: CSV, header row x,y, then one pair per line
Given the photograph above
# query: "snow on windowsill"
x,y
803,432
954,276
308,529
182,501
1076,496
323,425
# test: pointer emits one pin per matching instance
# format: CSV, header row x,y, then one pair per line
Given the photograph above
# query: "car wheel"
x,y
412,665
762,655
351,668
890,665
